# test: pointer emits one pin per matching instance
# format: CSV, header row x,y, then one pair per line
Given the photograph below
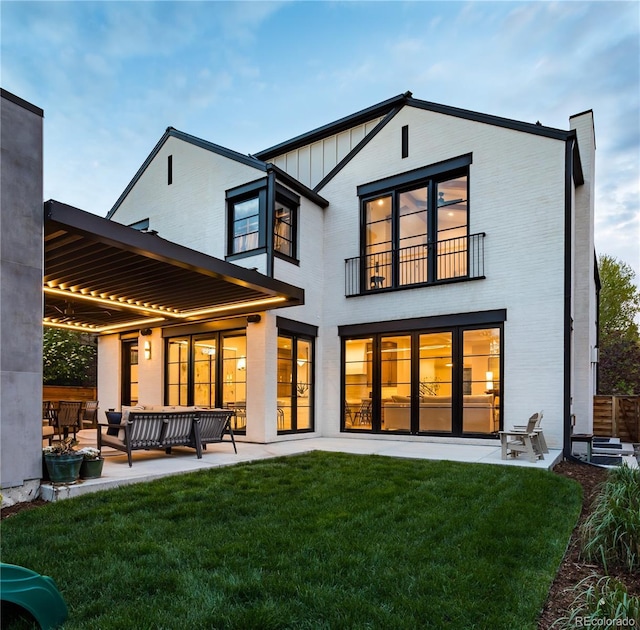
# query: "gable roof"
x,y
388,106
194,140
388,109
230,154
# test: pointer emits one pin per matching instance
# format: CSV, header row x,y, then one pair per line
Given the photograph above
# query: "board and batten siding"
x,y
310,164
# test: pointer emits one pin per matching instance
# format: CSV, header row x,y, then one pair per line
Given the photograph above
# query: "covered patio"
x,y
103,277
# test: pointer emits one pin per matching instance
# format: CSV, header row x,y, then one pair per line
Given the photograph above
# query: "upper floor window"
x,y
415,229
245,219
417,235
284,231
253,207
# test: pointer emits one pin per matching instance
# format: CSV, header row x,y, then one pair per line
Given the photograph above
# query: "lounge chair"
x,y
518,441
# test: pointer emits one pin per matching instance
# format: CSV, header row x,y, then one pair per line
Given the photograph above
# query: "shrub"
x,y
606,600
611,534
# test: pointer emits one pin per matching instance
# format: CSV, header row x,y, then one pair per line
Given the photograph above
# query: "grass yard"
x,y
320,540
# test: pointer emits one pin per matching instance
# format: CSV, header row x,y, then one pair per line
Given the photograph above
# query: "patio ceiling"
x,y
104,277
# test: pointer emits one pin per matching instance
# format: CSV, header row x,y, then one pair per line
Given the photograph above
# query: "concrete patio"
x,y
149,465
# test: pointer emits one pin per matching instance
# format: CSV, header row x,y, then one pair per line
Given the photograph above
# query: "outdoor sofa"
x,y
145,428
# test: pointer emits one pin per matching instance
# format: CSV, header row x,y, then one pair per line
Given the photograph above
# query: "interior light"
x,y
489,380
242,363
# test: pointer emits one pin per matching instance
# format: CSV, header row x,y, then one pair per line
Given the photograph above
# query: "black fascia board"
x,y
418,323
153,246
16,100
347,158
364,115
199,142
490,119
297,185
578,174
408,177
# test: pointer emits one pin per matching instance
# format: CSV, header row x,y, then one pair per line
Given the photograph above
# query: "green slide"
x,y
34,592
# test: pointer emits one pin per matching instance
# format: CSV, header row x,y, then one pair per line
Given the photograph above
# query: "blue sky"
x,y
111,76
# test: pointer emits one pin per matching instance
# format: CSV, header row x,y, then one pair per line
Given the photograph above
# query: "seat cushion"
x,y
125,418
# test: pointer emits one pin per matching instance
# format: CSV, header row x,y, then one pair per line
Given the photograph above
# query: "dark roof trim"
x,y
578,174
587,111
347,158
157,248
418,323
364,115
297,186
489,119
203,144
21,102
293,326
417,174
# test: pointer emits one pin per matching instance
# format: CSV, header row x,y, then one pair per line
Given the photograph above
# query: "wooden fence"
x,y
66,392
617,416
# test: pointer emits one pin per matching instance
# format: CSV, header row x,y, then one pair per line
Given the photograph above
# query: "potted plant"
x,y
62,461
91,467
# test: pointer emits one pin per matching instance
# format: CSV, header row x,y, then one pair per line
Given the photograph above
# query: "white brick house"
x,y
448,269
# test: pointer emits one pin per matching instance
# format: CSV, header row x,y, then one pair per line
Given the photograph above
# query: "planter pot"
x,y
91,468
63,468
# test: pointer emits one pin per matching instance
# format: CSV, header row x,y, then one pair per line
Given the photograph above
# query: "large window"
x,y
416,235
208,370
445,381
295,383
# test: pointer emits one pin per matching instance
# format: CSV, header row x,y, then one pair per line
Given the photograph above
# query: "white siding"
x,y
517,198
192,210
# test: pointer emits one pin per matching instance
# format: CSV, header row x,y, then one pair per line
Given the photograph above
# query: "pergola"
x,y
104,277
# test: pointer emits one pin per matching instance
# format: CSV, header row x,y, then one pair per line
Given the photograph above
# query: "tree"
x,y
619,335
619,300
69,358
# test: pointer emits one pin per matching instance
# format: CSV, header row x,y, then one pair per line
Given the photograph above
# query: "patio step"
x,y
612,448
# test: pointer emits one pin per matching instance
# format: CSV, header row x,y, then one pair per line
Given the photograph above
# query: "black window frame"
x,y
296,331
192,337
457,325
290,201
394,186
268,193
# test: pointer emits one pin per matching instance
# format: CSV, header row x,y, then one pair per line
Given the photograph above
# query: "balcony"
x,y
451,260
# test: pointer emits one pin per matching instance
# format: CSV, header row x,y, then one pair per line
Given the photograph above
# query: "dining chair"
x,y
90,414
68,417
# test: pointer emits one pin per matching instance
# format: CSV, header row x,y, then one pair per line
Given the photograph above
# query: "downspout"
x,y
270,217
568,177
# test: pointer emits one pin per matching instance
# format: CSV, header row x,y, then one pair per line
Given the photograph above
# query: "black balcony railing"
x,y
452,259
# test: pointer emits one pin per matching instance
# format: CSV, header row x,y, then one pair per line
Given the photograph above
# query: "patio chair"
x,y
538,431
90,414
67,417
515,441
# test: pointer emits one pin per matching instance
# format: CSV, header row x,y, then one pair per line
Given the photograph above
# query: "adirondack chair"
x,y
516,441
542,443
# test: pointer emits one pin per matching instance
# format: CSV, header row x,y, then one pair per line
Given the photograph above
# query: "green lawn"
x,y
319,540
